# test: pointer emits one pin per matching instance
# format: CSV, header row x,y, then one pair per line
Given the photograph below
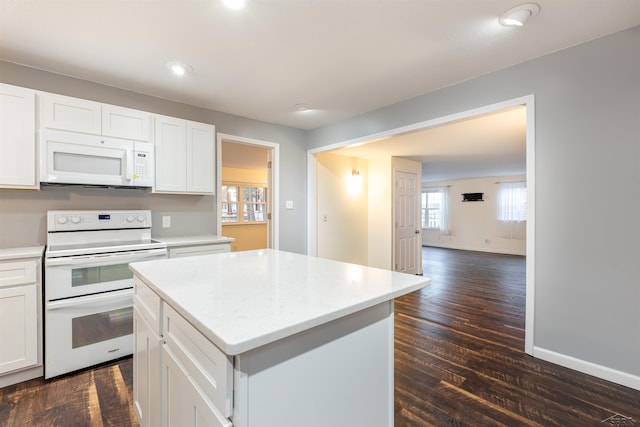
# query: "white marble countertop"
x,y
17,253
243,300
201,239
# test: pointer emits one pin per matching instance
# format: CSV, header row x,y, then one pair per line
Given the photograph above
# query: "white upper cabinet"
x,y
79,115
72,114
126,123
185,156
18,161
200,157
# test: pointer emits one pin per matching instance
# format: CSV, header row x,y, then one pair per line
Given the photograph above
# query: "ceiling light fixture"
x,y
519,15
301,107
178,68
234,4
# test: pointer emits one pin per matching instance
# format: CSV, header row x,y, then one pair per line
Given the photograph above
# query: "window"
x,y
243,204
512,210
435,209
431,203
229,203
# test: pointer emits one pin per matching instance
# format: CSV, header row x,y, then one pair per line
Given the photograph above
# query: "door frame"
x,y
273,226
528,101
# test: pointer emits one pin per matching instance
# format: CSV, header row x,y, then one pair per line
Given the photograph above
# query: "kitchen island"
x,y
264,338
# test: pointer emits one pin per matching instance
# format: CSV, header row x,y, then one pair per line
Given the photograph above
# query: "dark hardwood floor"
x,y
459,362
459,355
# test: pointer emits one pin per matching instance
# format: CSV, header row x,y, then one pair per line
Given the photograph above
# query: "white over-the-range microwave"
x,y
75,158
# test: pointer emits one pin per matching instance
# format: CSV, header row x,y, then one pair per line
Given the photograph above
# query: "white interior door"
x,y
408,241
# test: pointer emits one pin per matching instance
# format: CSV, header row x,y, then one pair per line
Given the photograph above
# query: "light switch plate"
x,y
166,222
288,204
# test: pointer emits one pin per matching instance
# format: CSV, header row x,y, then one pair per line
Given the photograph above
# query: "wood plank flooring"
x,y
459,362
459,355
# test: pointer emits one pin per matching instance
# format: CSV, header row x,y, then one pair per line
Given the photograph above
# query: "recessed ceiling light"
x,y
178,68
234,4
519,15
301,107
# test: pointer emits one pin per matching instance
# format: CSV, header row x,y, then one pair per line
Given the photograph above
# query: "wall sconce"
x,y
354,183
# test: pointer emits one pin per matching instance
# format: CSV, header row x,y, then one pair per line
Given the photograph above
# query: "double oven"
x,y
88,293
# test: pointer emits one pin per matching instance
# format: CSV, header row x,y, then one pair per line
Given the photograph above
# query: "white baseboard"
x,y
618,377
476,249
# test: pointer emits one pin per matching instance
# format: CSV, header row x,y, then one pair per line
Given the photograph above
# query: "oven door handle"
x,y
112,258
124,295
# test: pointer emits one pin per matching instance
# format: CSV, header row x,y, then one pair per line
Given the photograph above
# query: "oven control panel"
x,y
97,220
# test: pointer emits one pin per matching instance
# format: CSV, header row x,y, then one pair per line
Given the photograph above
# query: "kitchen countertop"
x,y
243,300
201,239
25,252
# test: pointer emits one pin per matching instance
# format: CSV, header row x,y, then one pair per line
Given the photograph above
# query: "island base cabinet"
x,y
184,403
337,374
146,370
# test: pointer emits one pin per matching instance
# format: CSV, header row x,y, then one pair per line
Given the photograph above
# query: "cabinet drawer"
x,y
148,304
199,250
207,365
18,272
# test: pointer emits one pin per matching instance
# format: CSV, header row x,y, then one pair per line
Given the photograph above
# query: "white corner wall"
x,y
474,224
380,214
342,208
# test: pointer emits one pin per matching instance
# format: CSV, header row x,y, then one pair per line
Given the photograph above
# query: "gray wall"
x,y
22,213
587,254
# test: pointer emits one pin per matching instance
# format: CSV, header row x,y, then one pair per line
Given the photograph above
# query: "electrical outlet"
x,y
324,218
166,222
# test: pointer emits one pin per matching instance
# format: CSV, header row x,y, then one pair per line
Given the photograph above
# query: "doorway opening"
x,y
247,202
380,238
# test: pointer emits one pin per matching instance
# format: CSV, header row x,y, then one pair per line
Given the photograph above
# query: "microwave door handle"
x,y
128,161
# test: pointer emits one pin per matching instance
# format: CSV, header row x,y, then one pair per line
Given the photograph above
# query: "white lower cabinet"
x,y
147,372
20,318
179,378
183,401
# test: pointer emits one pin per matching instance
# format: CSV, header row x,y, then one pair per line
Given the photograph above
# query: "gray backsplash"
x,y
23,212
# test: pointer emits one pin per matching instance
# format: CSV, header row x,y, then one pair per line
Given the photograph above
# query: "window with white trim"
x,y
243,204
431,208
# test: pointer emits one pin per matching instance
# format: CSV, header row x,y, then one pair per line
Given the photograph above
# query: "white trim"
x,y
312,215
275,171
613,375
529,102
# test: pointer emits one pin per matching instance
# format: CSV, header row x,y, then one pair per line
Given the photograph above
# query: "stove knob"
x,y
62,220
140,218
75,219
130,218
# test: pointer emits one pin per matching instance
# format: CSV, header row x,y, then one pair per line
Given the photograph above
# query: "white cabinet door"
x,y
120,122
18,327
17,137
183,402
185,156
200,158
171,155
146,371
72,114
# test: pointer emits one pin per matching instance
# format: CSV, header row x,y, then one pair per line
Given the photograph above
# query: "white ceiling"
x,y
489,145
342,57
